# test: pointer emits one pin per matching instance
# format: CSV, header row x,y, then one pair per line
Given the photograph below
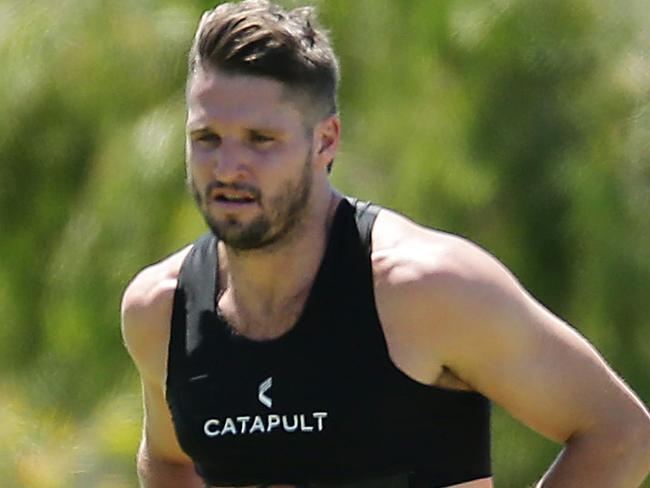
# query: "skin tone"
x,y
453,315
247,141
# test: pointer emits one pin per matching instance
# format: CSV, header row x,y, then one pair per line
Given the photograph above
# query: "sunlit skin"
x,y
235,145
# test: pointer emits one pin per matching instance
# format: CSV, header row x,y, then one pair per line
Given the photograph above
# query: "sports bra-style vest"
x,y
322,404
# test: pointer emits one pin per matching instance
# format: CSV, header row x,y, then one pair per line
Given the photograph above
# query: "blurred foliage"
x,y
523,125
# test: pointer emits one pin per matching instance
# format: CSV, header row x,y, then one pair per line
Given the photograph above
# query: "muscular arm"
x,y
470,315
547,375
146,312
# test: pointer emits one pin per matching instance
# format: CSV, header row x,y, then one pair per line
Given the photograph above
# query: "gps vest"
x,y
322,404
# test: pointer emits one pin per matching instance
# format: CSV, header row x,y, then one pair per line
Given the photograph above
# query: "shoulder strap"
x,y
365,215
197,277
194,293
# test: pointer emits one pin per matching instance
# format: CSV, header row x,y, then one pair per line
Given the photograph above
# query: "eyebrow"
x,y
202,130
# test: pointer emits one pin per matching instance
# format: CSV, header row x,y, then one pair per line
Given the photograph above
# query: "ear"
x,y
327,135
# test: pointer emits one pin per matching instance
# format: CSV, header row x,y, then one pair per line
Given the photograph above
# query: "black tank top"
x,y
322,404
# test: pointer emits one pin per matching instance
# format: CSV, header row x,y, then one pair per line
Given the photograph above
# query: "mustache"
x,y
243,187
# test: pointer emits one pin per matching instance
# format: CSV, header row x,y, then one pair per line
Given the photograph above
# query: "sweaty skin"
x,y
452,315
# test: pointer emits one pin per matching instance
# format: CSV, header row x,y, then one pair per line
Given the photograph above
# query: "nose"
x,y
229,163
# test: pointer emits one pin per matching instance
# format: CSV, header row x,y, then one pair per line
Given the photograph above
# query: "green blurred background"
x,y
521,124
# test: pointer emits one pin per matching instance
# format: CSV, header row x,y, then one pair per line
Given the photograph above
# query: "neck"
x,y
262,281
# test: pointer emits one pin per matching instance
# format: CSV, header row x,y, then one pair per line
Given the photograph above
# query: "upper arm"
x,y
508,346
146,315
145,322
161,462
159,438
472,316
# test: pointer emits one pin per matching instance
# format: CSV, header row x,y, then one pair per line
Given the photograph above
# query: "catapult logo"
x,y
264,424
264,387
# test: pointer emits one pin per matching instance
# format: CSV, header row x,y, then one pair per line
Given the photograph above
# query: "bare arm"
x,y
161,463
156,473
146,312
547,375
483,326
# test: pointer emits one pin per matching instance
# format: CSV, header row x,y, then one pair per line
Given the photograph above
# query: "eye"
x,y
260,138
207,138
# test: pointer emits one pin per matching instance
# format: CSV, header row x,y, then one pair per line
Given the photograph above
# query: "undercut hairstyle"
x,y
258,38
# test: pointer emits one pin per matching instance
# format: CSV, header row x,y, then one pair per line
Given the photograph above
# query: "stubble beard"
x,y
281,215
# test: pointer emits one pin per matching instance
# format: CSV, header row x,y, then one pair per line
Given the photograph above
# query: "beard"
x,y
281,214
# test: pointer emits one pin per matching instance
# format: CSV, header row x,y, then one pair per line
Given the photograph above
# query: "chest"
x,y
268,323
321,403
325,394
284,407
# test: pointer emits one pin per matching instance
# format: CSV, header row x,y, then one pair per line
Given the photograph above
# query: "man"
x,y
314,339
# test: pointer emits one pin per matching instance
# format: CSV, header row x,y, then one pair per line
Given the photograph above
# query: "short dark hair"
x,y
256,37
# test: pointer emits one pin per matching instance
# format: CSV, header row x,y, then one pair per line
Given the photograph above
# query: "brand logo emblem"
x,y
246,424
263,388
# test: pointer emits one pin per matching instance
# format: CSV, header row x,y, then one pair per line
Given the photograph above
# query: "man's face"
x,y
249,157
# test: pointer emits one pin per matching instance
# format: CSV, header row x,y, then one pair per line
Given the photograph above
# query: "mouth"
x,y
232,196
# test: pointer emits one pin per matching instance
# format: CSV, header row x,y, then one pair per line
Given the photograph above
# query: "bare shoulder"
x,y
407,256
436,291
448,304
146,313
